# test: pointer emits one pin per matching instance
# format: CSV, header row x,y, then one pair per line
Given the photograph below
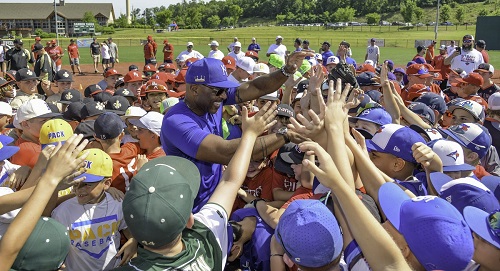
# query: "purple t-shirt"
x,y
181,135
256,252
325,55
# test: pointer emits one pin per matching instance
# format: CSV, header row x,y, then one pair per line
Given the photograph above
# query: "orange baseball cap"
x,y
149,68
132,76
365,68
472,78
112,72
181,77
153,82
156,88
418,70
416,91
229,62
164,77
252,54
171,66
165,41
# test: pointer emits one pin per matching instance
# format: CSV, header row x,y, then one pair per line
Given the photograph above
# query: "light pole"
x,y
55,18
436,25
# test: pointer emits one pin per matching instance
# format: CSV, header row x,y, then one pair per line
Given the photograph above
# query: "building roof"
x,y
38,11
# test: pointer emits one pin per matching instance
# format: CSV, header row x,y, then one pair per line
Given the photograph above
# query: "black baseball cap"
x,y
63,75
102,97
70,96
18,41
92,90
326,43
108,126
118,105
86,128
37,47
25,74
125,93
74,111
92,109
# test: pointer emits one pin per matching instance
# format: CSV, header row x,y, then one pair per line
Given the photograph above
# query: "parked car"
x,y
408,24
384,23
398,23
431,24
447,23
419,24
354,24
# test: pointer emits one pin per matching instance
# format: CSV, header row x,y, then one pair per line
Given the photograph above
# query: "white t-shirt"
x,y
2,53
450,49
277,49
231,46
214,217
94,231
105,51
236,56
467,61
7,218
191,54
372,52
218,54
7,170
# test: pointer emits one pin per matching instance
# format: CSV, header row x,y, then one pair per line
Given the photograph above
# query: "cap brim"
x,y
91,178
355,119
53,144
372,146
224,84
118,112
477,221
452,135
65,102
288,158
138,123
391,198
365,133
283,167
439,179
10,125
7,151
49,115
463,167
6,140
481,70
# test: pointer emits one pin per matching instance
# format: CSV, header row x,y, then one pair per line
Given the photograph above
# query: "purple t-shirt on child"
x,y
181,135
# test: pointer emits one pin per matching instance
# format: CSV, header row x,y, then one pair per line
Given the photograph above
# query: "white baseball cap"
x,y
442,47
214,43
332,60
151,121
273,96
253,38
494,101
134,111
246,63
261,67
5,109
451,154
190,44
279,37
34,108
237,44
368,61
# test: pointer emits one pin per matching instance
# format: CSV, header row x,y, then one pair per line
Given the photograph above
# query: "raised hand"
x,y
294,60
68,155
260,122
327,172
336,109
316,80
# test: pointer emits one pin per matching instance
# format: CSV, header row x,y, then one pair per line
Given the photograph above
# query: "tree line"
x,y
215,14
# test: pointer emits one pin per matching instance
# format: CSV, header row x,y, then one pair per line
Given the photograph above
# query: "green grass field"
x,y
399,43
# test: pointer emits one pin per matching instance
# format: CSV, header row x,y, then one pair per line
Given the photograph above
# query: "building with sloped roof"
x,y
24,16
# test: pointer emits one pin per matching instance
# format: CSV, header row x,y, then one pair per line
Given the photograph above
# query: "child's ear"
x,y
107,183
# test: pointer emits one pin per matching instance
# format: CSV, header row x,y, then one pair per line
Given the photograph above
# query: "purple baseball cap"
x,y
395,139
391,76
376,115
486,225
210,72
400,70
420,60
451,154
464,192
493,183
474,137
309,233
434,230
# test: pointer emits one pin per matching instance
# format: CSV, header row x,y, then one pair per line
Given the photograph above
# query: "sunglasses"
x,y
467,41
216,90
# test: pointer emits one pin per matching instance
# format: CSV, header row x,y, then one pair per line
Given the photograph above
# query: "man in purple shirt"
x,y
192,129
254,46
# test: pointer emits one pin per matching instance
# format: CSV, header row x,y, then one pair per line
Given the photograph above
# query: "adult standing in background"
x,y
372,53
254,46
168,52
2,57
278,48
18,56
113,52
429,55
38,40
74,56
149,52
215,52
326,52
95,53
236,53
450,48
467,58
56,53
106,57
481,47
230,48
189,52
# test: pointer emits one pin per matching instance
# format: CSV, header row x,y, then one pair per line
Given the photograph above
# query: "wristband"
x,y
254,202
284,72
279,255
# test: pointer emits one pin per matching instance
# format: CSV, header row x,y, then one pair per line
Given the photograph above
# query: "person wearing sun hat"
x,y
89,213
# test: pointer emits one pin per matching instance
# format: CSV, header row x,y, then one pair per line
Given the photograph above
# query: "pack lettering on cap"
x,y
88,164
58,134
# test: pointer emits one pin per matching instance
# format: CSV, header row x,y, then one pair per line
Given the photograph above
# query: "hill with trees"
x,y
229,13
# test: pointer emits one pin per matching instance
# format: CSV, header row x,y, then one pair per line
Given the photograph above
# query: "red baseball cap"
x,y
149,68
416,91
153,87
150,38
229,62
171,66
112,72
418,70
132,76
252,54
165,41
164,77
472,78
365,68
181,77
153,82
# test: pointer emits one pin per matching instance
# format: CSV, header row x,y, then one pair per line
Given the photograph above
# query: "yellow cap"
x,y
98,165
54,131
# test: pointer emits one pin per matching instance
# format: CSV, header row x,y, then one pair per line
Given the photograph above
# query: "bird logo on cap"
x,y
65,74
380,130
454,155
68,96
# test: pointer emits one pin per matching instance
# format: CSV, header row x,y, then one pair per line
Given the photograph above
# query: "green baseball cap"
x,y
276,60
160,199
305,67
45,249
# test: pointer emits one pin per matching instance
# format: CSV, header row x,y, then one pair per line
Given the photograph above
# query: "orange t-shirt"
x,y
480,172
259,186
159,153
300,193
438,63
124,165
28,153
148,50
52,53
168,55
73,51
429,55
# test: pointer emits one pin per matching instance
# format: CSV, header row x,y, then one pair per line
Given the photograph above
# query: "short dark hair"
x,y
298,40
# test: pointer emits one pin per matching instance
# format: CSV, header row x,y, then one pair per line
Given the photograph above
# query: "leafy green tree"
x,y
460,14
236,12
280,18
226,21
121,21
445,13
483,12
164,17
419,14
344,14
408,10
372,18
88,17
325,17
213,21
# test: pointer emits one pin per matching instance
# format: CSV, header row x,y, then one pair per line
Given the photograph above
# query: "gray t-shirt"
x,y
113,50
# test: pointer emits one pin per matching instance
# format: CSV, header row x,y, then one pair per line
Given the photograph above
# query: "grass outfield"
x,y
399,44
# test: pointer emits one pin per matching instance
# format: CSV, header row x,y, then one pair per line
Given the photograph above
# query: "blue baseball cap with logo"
x,y
305,226
474,137
376,115
493,184
395,139
464,192
210,72
434,230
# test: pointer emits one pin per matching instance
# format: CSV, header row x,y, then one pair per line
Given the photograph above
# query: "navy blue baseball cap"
x,y
423,111
108,126
434,101
365,79
210,72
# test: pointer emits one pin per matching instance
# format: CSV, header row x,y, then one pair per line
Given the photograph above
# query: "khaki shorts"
x,y
96,58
